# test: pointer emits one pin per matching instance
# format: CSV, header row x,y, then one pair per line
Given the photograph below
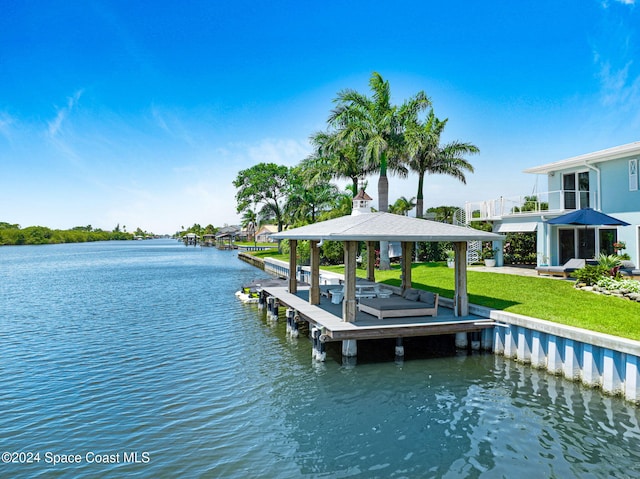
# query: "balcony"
x,y
550,202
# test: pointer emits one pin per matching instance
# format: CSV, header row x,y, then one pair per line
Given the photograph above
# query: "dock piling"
x,y
318,352
294,324
350,348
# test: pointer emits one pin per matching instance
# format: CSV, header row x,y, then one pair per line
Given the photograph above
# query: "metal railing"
x,y
545,202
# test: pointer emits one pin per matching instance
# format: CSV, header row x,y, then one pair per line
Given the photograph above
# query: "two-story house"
x,y
606,181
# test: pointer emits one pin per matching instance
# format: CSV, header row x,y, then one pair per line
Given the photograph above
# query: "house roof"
x,y
601,156
227,231
385,227
267,229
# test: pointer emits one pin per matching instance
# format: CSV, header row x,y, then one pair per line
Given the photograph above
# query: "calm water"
x,y
138,354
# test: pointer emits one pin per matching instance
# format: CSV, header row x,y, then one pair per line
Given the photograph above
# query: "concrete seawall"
x,y
597,360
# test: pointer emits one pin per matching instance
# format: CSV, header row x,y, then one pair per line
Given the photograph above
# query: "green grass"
x,y
543,298
272,253
251,243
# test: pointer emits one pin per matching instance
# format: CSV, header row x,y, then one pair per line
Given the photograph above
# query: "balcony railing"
x,y
553,202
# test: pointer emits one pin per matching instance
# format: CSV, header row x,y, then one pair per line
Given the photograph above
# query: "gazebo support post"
x,y
349,346
293,254
314,292
407,251
461,298
371,261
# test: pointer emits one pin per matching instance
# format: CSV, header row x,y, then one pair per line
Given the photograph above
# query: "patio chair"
x,y
565,270
337,295
629,270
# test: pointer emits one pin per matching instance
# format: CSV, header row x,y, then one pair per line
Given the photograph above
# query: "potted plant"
x,y
451,258
489,255
619,246
544,259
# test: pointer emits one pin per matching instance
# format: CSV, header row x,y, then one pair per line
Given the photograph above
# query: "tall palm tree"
x,y
375,127
428,156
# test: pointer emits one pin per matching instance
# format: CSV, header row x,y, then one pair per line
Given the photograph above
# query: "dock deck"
x,y
328,317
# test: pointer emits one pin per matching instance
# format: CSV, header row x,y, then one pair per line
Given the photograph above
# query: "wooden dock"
x,y
327,317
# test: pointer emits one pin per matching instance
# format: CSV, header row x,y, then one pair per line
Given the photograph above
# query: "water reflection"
x,y
468,416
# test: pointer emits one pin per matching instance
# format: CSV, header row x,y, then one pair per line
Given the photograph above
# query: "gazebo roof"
x,y
385,227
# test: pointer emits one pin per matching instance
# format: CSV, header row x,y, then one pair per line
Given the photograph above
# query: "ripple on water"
x,y
143,347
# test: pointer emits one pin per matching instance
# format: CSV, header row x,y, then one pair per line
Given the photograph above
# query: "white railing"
x,y
544,202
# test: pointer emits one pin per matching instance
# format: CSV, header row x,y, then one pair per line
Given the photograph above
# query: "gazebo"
x,y
372,227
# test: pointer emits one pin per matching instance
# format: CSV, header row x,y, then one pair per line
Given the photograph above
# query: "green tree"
x,y
342,206
402,206
306,199
210,230
531,203
335,158
444,214
250,223
428,156
266,184
374,126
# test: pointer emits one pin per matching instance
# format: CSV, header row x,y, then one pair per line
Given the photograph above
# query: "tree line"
x,y
13,234
365,135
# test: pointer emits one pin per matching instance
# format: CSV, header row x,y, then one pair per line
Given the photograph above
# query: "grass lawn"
x,y
251,243
543,298
272,253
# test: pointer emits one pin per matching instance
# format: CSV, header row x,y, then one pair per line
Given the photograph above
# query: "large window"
x,y
580,242
575,189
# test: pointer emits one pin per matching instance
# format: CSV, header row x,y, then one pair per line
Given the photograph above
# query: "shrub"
x,y
590,275
332,252
611,263
611,284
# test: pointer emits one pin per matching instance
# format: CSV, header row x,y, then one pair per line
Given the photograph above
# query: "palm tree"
x,y
426,155
402,206
444,214
250,223
305,200
334,158
374,126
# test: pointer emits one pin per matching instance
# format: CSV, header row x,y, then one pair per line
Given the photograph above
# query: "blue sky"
x,y
142,113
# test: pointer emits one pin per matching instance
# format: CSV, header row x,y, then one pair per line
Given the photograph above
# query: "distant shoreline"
x,y
11,235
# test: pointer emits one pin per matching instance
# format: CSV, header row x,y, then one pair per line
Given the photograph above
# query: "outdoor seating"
x,y
629,270
337,295
565,270
382,292
413,303
325,288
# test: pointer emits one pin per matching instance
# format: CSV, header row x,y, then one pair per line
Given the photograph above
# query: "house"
x,y
263,235
605,180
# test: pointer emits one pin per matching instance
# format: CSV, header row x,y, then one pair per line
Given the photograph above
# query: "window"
x,y
569,189
633,175
575,189
581,242
608,236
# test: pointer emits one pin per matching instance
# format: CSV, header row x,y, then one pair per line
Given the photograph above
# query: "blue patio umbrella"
x,y
587,217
